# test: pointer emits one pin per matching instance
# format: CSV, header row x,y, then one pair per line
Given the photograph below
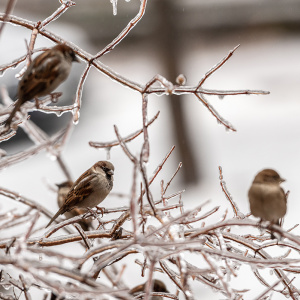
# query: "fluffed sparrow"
x,y
90,189
267,198
46,72
63,190
158,286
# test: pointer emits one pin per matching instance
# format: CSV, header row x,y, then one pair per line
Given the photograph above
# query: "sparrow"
x,y
63,190
45,73
90,189
158,287
267,199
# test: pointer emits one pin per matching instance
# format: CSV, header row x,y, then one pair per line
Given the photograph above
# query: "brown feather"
x,y
90,189
46,72
81,189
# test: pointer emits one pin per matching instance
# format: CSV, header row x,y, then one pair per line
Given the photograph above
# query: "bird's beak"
x,y
282,180
110,172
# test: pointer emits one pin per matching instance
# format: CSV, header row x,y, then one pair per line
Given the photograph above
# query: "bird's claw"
x,y
101,209
55,96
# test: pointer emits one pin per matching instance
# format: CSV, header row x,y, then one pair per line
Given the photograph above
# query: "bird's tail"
x,y
61,211
273,234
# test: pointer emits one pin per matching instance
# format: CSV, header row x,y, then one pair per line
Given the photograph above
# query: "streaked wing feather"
x,y
81,189
47,68
39,78
33,89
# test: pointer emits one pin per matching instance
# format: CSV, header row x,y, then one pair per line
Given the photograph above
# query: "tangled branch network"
x,y
186,249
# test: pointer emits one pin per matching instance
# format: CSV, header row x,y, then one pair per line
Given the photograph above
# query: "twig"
x,y
216,67
236,211
9,7
127,139
125,31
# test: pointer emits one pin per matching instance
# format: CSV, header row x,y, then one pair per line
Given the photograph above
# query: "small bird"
x,y
158,287
90,189
63,190
267,198
46,72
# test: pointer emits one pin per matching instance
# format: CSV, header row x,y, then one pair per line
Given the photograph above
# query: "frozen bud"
x,y
181,79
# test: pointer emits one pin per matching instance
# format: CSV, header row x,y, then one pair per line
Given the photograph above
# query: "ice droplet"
x,y
108,153
51,156
221,97
6,286
114,4
76,115
20,74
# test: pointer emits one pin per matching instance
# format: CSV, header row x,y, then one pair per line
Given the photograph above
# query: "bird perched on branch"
x,y
63,190
267,198
158,287
90,189
46,72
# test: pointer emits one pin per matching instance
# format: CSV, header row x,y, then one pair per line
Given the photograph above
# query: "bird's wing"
x,y
40,74
47,68
80,190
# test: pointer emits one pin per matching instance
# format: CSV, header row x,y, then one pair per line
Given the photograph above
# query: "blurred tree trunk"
x,y
169,38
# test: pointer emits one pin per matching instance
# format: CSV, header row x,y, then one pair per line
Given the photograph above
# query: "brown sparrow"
x,y
63,190
46,72
158,286
267,198
90,189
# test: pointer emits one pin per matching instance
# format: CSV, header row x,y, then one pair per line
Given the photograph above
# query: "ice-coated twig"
x,y
133,202
77,102
23,240
146,147
146,184
84,237
236,211
16,158
216,67
30,203
169,87
9,8
270,288
220,119
124,147
64,6
25,288
149,285
127,139
125,31
171,275
159,168
214,266
169,182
